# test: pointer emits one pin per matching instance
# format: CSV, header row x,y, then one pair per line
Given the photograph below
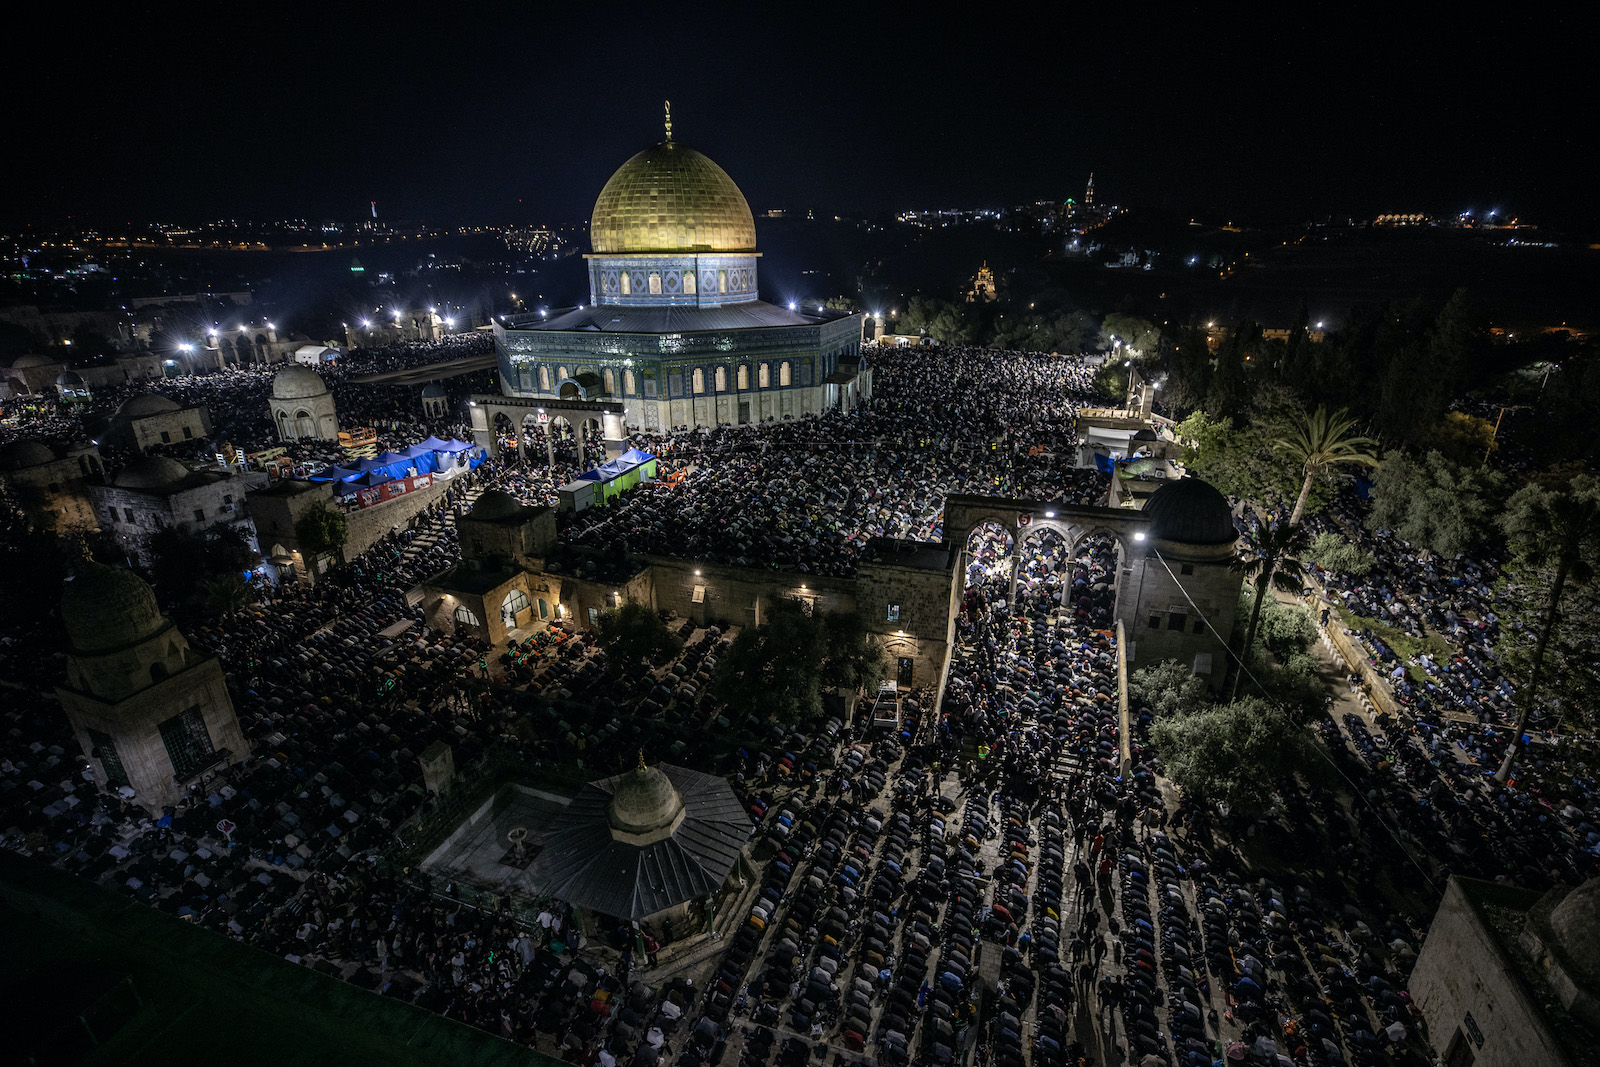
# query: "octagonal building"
x,y
674,329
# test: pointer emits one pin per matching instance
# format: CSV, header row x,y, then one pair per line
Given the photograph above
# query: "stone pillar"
x,y
483,429
615,435
549,446
1016,565
438,765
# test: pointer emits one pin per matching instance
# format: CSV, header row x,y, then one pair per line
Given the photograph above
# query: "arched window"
x,y
688,282
699,380
544,378
465,617
722,379
515,604
627,382
561,374
764,376
627,288
743,376
655,283
783,373
611,380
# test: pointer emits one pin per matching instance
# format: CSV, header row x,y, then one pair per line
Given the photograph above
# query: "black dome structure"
x,y
1190,512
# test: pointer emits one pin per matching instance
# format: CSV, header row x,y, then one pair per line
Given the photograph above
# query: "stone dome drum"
x,y
297,383
669,198
107,608
644,801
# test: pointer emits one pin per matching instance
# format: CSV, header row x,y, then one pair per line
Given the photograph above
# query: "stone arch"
x,y
305,424
989,546
465,616
514,604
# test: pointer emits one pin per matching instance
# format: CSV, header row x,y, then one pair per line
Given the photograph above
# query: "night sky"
x,y
460,117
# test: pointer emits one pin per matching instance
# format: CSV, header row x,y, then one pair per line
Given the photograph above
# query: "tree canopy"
x,y
631,634
1555,535
321,530
1233,753
783,665
1336,553
1435,504
1318,442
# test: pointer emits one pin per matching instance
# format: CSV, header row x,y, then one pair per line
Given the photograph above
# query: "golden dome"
x,y
669,198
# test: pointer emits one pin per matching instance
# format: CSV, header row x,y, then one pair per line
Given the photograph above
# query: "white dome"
x,y
298,383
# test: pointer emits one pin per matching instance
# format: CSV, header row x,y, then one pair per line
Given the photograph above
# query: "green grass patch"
x,y
1404,645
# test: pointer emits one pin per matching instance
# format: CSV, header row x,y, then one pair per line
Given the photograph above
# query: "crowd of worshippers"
x,y
899,861
807,495
239,404
1421,593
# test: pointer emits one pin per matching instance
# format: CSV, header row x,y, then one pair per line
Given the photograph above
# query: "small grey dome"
x,y
107,608
150,472
494,504
432,391
1190,512
147,404
297,383
644,800
19,455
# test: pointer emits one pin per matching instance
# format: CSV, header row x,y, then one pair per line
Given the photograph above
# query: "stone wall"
x,y
368,525
1149,593
134,726
185,424
132,515
1465,971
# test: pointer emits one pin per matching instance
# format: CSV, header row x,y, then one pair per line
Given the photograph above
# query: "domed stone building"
x,y
151,419
1181,562
302,406
435,401
154,492
675,329
1510,977
646,844
51,488
151,713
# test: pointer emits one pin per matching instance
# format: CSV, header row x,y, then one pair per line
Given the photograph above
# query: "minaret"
x,y
1088,195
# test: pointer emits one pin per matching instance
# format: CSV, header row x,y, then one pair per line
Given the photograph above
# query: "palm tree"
x,y
1318,441
1549,530
1270,561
